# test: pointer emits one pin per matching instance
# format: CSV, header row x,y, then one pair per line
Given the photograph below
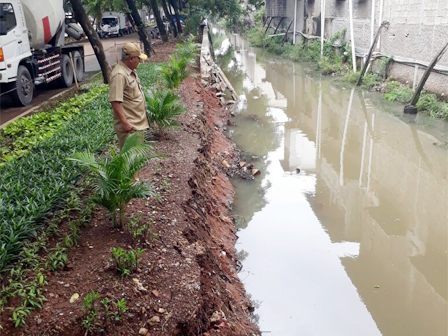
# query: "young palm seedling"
x,y
115,183
91,311
126,261
175,71
189,50
163,107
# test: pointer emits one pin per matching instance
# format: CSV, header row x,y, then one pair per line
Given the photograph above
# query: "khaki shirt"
x,y
125,87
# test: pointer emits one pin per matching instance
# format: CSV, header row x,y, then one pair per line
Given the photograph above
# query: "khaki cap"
x,y
133,49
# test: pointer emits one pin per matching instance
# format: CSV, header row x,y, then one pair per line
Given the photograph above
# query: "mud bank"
x,y
186,282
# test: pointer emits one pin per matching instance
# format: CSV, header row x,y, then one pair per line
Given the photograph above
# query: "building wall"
x,y
418,30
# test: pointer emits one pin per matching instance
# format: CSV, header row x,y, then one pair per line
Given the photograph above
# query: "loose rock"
x,y
143,331
154,320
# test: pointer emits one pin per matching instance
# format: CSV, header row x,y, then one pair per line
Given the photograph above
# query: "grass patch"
x,y
430,103
395,91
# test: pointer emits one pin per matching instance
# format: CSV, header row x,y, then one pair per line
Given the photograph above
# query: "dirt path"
x,y
186,283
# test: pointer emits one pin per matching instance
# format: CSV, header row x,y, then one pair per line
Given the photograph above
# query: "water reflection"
x,y
356,244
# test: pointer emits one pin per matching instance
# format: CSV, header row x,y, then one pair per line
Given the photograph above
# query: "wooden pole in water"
x,y
366,64
352,34
411,108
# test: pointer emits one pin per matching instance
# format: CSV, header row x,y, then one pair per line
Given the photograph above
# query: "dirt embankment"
x,y
186,282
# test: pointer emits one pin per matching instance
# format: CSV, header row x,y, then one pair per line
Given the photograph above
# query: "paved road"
x,y
43,93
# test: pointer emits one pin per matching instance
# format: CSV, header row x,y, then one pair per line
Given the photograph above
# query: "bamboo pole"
x,y
380,21
366,64
411,107
279,23
352,34
268,25
322,26
73,68
372,22
295,22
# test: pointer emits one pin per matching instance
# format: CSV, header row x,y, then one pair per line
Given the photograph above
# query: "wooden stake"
x,y
73,69
366,63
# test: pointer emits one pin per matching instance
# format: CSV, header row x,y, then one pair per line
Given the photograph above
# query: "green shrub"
x,y
115,185
397,91
189,50
175,71
256,36
192,24
430,103
163,107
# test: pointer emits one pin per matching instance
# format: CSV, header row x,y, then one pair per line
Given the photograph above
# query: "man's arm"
x,y
118,111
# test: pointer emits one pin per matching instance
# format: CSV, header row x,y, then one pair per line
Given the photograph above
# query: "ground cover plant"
x,y
24,283
31,186
19,137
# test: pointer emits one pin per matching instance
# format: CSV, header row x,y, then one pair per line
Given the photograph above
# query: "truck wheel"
x,y
79,66
66,79
23,95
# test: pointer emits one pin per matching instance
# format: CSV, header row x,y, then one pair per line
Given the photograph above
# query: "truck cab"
x,y
33,50
14,45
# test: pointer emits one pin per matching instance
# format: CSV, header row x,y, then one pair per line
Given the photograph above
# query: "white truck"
x,y
33,50
116,22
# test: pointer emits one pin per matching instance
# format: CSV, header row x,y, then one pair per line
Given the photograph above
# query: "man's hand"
x,y
127,127
118,110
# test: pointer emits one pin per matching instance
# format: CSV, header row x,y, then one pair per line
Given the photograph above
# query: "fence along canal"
x,y
356,243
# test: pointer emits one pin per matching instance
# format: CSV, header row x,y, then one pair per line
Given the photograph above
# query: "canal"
x,y
344,233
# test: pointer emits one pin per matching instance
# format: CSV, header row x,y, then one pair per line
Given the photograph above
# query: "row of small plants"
x,y
31,187
25,280
19,137
44,177
336,61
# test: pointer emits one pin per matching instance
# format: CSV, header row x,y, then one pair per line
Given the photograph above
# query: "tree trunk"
x,y
176,13
160,25
140,26
81,17
169,17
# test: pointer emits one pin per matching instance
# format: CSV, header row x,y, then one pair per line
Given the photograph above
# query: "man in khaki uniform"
x,y
126,94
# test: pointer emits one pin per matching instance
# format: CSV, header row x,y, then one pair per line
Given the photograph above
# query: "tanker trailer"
x,y
33,50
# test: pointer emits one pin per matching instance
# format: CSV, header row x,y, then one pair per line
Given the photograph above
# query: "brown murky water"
x,y
356,243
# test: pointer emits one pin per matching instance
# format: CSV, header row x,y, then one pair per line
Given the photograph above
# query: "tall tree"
x,y
140,26
176,13
81,17
169,17
160,25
